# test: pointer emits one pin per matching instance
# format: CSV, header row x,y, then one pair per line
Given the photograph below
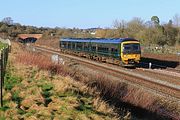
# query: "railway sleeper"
x,y
103,59
83,55
95,58
110,60
116,62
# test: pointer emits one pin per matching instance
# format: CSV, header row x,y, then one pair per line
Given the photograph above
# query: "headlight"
x,y
125,56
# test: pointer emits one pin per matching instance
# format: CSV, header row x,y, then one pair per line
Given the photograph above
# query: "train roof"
x,y
98,40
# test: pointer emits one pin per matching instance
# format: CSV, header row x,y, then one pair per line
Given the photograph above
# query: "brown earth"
x,y
166,57
164,60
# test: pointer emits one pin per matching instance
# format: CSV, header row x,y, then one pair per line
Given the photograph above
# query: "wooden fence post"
x,y
1,86
3,62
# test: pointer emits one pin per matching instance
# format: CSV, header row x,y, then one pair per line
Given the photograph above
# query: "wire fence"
x,y
3,62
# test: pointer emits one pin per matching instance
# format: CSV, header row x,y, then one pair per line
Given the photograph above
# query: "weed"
x,y
30,113
46,93
4,108
16,98
47,87
63,108
11,81
21,112
67,94
2,118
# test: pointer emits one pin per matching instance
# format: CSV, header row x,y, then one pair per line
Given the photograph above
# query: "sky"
x,y
85,13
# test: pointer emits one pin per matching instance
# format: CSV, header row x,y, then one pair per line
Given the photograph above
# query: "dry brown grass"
x,y
42,62
116,91
49,41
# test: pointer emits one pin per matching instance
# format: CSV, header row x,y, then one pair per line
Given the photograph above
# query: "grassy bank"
x,y
36,89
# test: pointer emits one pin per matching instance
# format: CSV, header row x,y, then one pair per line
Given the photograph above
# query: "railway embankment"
x,y
143,102
136,98
35,88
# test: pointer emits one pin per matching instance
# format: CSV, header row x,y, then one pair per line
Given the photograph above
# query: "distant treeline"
x,y
148,32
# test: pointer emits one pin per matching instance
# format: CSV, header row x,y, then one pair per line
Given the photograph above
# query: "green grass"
x,y
47,93
2,118
47,87
3,45
11,81
4,108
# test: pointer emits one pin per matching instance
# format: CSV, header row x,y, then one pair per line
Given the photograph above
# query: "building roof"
x,y
24,36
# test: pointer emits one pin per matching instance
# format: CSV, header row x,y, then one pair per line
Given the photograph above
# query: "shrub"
x,y
42,62
11,81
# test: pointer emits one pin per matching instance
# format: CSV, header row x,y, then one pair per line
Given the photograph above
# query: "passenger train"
x,y
121,51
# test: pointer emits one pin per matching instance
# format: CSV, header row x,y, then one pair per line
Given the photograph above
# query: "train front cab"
x,y
130,53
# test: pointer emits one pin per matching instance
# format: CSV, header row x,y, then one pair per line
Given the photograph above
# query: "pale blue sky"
x,y
85,13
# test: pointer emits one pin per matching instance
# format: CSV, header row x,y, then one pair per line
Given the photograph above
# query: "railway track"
x,y
160,67
163,88
169,77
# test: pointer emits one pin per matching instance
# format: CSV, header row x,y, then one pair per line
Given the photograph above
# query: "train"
x,y
120,51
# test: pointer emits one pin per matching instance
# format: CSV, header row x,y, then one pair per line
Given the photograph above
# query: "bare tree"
x,y
135,25
149,24
120,26
7,20
176,20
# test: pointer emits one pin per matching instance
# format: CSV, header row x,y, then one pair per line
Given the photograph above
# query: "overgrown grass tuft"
x,y
42,62
11,81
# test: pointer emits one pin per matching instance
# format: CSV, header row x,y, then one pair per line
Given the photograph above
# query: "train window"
x,y
127,47
69,45
103,49
131,47
114,50
93,48
136,46
73,45
79,46
63,44
86,48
